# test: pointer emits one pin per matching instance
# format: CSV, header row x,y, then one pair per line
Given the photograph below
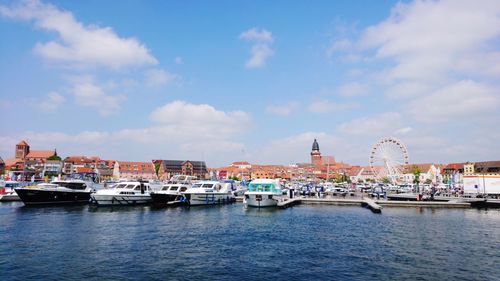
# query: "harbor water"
x,y
233,243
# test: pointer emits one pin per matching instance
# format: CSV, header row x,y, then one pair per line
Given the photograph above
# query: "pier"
x,y
372,205
375,206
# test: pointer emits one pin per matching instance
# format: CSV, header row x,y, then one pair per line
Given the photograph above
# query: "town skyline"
x,y
225,82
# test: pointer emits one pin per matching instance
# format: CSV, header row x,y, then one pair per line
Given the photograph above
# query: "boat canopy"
x,y
263,187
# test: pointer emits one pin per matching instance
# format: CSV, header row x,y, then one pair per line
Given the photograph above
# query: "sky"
x,y
225,81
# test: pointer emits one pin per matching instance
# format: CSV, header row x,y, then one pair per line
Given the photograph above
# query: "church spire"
x,y
315,146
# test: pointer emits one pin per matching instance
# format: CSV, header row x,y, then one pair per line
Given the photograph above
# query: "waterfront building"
x,y
169,168
429,173
28,163
52,168
105,169
73,163
326,167
482,178
453,173
134,170
2,166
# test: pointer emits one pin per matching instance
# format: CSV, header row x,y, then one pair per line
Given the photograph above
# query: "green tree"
x,y
386,180
54,157
157,169
416,176
428,181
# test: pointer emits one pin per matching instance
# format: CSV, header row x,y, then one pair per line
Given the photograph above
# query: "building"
x,y
52,168
326,167
429,173
453,173
134,170
28,163
73,163
169,168
482,178
2,166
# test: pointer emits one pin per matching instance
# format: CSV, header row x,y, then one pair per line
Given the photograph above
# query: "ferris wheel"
x,y
387,159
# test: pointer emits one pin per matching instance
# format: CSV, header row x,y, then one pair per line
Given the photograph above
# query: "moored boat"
x,y
263,193
123,193
56,192
7,192
209,193
171,192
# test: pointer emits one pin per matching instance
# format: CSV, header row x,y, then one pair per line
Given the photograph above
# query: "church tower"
x,y
315,154
22,149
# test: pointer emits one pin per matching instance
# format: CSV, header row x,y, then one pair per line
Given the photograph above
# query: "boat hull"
x,y
198,199
31,196
120,200
263,201
162,199
8,197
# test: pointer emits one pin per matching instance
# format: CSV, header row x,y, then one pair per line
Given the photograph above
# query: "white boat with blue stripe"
x,y
209,193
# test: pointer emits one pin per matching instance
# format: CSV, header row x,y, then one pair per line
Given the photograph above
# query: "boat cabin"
x,y
264,187
215,186
174,188
133,186
76,185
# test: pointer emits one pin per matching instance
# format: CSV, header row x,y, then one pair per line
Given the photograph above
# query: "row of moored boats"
x,y
179,190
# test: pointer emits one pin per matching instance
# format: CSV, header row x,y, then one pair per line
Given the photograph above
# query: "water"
x,y
232,243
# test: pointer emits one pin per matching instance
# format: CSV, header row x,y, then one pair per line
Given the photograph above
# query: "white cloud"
x,y
403,131
261,49
159,77
254,34
353,89
463,100
178,60
283,109
428,49
376,126
52,102
179,130
295,148
89,94
78,44
325,106
203,119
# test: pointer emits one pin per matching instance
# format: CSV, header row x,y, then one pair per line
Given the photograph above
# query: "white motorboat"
x,y
123,193
263,193
7,192
172,190
209,193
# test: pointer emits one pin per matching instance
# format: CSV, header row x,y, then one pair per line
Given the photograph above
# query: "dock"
x,y
372,205
375,206
287,202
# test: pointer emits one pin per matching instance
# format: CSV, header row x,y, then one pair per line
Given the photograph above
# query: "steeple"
x,y
315,146
315,154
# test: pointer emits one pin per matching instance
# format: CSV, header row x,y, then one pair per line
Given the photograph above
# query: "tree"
x,y
428,181
386,180
416,176
157,169
54,157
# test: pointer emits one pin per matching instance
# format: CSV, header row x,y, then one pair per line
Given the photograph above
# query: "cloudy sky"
x,y
251,80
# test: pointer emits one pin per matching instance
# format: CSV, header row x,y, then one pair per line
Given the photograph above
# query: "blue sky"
x,y
251,80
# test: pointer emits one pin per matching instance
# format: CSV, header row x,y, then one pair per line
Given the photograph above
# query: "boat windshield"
x,y
164,188
12,184
197,185
130,186
208,185
262,187
120,186
173,188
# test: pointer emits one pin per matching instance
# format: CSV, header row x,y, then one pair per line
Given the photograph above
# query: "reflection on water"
x,y
232,242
